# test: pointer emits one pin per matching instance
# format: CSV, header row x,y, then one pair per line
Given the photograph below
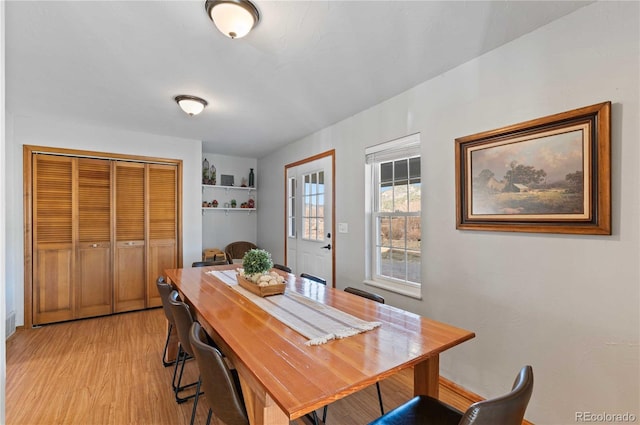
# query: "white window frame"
x,y
404,147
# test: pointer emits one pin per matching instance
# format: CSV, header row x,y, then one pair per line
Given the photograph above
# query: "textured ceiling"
x,y
305,66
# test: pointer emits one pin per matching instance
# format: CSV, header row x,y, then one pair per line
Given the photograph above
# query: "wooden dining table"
x,y
282,378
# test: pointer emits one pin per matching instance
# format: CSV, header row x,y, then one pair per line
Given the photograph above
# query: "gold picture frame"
x,y
548,175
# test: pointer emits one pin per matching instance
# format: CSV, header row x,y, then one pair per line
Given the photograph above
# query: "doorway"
x,y
310,216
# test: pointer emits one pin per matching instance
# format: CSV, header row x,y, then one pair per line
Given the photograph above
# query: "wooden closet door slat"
x,y
162,189
94,289
53,259
130,288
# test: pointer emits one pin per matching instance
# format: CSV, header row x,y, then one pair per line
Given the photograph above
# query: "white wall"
x,y
3,203
220,228
41,131
566,304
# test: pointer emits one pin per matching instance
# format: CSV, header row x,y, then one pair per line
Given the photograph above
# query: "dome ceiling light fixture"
x,y
192,105
234,18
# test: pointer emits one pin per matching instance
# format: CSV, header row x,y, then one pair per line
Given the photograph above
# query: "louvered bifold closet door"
x,y
129,267
162,225
94,289
53,256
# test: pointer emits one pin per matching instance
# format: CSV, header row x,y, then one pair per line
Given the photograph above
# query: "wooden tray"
x,y
263,291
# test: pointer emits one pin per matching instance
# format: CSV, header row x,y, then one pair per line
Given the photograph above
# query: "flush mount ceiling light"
x,y
192,105
234,18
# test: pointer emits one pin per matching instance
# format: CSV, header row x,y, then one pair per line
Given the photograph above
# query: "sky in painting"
x,y
558,155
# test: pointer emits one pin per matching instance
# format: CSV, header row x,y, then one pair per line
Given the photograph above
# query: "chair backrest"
x,y
364,294
208,263
236,250
164,289
183,320
505,410
220,386
314,278
283,268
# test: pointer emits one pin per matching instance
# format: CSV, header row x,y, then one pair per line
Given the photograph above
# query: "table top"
x,y
298,377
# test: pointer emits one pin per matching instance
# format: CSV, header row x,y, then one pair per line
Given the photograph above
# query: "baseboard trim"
x,y
461,398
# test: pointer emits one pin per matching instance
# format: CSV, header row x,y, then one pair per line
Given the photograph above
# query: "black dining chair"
x,y
370,295
379,299
283,268
221,385
508,409
183,321
164,289
208,263
314,278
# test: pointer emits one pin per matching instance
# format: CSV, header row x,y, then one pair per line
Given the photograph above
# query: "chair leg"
x,y
175,368
209,416
380,399
166,346
324,413
177,388
195,402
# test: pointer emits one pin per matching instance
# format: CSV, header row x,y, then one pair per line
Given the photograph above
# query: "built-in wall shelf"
x,y
224,195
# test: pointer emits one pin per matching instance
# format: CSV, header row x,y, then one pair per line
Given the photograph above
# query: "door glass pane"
x,y
314,206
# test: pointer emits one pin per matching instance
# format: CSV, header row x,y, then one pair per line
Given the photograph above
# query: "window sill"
x,y
398,288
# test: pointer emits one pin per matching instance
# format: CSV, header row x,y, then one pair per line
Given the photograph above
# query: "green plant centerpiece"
x,y
256,264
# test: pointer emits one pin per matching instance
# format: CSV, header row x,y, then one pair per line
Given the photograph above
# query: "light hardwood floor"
x,y
108,371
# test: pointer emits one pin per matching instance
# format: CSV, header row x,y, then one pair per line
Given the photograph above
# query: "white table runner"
x,y
316,321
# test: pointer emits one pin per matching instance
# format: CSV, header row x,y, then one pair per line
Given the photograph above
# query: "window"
x,y
394,215
313,213
291,208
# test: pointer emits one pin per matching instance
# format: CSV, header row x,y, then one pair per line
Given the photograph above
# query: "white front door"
x,y
309,218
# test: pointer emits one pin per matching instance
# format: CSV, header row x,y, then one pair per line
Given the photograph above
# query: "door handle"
x,y
328,246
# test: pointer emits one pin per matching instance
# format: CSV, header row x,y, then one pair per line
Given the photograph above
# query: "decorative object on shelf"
x,y
214,204
233,18
226,205
251,203
243,182
233,203
255,276
506,181
192,105
212,175
205,204
252,178
226,180
205,171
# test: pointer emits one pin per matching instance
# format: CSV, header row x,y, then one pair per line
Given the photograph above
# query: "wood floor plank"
x,y
108,370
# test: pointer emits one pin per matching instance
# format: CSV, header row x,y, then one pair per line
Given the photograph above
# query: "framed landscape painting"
x,y
550,175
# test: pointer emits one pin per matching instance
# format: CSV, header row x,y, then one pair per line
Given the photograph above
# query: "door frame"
x,y
28,152
330,153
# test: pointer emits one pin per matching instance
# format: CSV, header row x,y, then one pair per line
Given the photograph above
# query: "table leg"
x,y
261,409
426,377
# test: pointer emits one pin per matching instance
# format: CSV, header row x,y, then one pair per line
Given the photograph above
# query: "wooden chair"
x,y
236,250
505,410
220,384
